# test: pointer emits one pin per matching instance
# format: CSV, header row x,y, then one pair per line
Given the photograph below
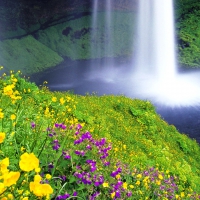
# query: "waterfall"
x,y
155,45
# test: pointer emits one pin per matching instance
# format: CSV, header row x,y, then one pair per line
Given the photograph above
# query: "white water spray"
x,y
156,75
155,38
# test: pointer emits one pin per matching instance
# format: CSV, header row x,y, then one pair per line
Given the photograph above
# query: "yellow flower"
x,y
1,114
22,149
48,176
3,165
139,176
118,176
37,170
54,99
11,178
2,136
137,183
28,162
125,185
25,198
105,184
40,190
62,101
4,198
176,196
158,182
160,177
13,117
131,186
10,196
2,188
182,194
112,195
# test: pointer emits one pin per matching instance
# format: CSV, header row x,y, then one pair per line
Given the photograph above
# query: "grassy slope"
x,y
28,55
149,139
139,136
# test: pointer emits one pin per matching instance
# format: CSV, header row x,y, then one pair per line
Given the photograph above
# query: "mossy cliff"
x,y
46,33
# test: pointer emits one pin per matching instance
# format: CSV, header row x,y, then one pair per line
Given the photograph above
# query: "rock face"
x,y
36,34
19,18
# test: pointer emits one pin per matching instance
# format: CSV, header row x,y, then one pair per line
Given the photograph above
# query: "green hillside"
x,y
120,145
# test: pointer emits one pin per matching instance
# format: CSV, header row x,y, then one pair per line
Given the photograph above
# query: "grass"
x,y
58,145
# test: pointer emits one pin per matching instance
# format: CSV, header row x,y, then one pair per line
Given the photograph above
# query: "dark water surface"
x,y
83,77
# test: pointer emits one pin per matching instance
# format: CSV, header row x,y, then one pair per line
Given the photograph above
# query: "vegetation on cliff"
x,y
57,145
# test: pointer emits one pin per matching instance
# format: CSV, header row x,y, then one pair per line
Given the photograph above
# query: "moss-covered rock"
x,y
74,38
28,55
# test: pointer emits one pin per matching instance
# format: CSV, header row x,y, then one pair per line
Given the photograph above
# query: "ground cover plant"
x,y
57,145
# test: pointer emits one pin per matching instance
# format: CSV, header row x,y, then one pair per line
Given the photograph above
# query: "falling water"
x,y
155,76
155,38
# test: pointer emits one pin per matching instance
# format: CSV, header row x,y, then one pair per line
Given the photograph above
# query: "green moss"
x,y
78,42
28,55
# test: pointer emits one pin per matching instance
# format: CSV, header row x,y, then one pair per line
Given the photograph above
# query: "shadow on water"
x,y
80,78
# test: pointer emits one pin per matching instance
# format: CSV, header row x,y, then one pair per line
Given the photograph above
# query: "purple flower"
x,y
56,125
75,194
78,175
78,127
63,177
67,157
56,147
33,124
129,194
96,194
50,165
82,153
106,163
64,196
117,194
88,147
63,126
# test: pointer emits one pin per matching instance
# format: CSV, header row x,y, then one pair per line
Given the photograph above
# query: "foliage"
x,y
28,55
188,32
77,43
59,145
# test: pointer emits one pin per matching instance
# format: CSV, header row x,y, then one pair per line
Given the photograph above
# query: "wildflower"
x,y
33,125
22,149
125,185
139,176
112,195
54,99
131,186
11,178
105,184
75,194
160,177
62,101
48,176
118,176
2,136
129,194
37,170
28,162
182,194
137,183
10,196
40,190
3,165
1,114
2,188
25,198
